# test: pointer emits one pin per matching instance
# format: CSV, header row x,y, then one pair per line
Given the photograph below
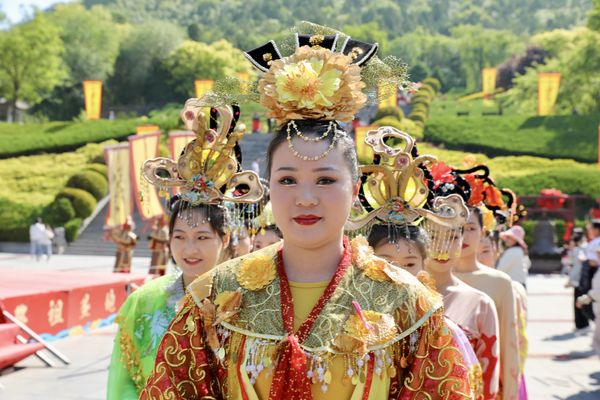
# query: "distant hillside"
x,y
246,23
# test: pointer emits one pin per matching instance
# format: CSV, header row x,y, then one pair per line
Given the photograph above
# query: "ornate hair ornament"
x,y
208,170
321,79
394,190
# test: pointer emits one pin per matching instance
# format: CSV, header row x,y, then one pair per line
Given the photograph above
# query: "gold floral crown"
x,y
320,80
394,190
208,170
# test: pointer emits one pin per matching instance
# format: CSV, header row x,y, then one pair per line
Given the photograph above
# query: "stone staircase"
x,y
91,242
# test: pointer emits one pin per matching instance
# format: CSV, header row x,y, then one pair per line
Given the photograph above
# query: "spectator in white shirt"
x,y
36,231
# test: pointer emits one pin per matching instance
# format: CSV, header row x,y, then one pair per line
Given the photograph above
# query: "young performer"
x,y
317,316
492,282
159,244
199,231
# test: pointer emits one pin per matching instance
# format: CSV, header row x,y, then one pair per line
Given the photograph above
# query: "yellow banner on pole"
x,y
244,78
387,95
142,148
548,87
92,93
363,151
145,129
178,140
120,204
202,87
488,81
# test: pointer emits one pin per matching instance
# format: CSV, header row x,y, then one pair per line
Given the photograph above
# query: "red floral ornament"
x,y
441,174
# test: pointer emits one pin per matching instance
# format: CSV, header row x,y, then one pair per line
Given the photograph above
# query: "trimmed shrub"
x,y
561,136
72,229
96,167
90,181
394,112
83,203
406,125
571,181
420,107
427,89
59,211
421,97
434,83
418,116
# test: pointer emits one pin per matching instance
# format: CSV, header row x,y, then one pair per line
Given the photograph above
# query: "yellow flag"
x,y
120,204
178,140
363,151
202,87
92,93
387,95
142,148
488,81
244,78
145,129
548,86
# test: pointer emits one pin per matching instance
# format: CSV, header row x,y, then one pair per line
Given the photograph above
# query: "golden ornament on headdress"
x,y
207,170
313,83
396,188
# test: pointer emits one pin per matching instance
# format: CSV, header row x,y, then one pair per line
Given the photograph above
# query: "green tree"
x,y
195,60
593,17
91,45
31,64
144,47
480,47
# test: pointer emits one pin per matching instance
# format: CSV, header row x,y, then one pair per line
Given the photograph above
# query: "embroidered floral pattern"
x,y
256,272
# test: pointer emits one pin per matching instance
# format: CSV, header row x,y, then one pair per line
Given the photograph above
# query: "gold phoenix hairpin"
x,y
395,191
207,172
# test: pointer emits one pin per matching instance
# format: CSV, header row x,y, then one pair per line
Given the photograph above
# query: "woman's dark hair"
x,y
477,212
312,128
273,228
215,215
392,233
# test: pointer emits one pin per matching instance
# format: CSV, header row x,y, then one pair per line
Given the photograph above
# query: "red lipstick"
x,y
464,246
306,219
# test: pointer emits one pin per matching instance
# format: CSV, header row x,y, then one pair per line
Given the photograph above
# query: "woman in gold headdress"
x,y
317,315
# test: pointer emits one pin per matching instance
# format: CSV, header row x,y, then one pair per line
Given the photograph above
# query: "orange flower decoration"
x,y
256,272
313,83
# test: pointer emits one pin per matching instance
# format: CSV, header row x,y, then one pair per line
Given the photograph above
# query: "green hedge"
x,y
59,137
393,112
16,218
406,125
58,212
572,136
97,167
72,229
571,181
90,181
83,202
434,83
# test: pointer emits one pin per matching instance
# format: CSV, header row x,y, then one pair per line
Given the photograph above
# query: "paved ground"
x,y
561,364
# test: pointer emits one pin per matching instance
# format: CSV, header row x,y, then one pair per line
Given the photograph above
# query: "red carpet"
x,y
52,301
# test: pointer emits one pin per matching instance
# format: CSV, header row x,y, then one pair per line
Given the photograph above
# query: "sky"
x,y
16,10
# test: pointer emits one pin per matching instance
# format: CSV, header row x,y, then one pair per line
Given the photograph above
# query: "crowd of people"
x,y
401,278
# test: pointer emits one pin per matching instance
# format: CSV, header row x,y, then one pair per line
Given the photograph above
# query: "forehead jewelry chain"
x,y
292,124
